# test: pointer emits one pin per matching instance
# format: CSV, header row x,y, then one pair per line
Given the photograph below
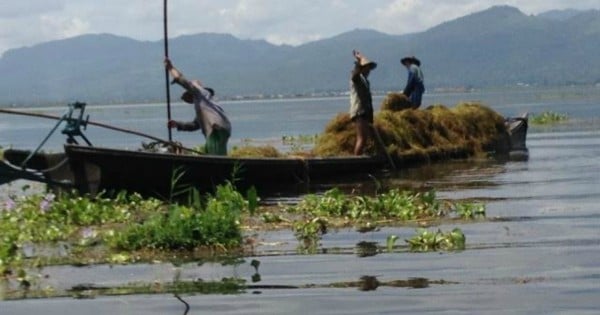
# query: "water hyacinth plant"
x,y
468,210
394,204
309,233
547,118
212,221
48,219
426,240
125,222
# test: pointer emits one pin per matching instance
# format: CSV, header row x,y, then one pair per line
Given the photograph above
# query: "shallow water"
x,y
539,252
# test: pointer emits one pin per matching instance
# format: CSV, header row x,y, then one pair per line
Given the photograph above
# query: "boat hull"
x,y
163,174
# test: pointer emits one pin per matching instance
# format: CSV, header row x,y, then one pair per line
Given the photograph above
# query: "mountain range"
x,y
497,47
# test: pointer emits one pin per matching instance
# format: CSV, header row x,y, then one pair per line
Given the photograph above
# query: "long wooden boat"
x,y
160,174
92,169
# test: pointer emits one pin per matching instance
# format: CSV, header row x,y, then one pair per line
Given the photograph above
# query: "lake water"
x,y
539,252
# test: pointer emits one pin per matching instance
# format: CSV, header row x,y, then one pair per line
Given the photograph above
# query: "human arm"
x,y
184,126
357,69
177,76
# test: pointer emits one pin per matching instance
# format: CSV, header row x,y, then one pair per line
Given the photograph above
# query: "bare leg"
x,y
362,134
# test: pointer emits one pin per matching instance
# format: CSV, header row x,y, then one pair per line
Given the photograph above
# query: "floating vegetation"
x,y
394,204
110,226
437,131
47,229
426,241
128,228
548,118
309,233
335,208
470,210
212,222
49,218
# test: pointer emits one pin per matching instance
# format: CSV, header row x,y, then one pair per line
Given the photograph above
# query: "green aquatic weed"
x,y
47,219
309,232
548,117
391,242
393,204
426,240
331,203
215,221
470,210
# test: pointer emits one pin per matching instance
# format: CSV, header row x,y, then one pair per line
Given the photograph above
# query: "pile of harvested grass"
x,y
255,151
338,138
396,102
466,129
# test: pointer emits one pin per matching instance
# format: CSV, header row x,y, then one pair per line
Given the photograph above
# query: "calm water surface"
x,y
538,254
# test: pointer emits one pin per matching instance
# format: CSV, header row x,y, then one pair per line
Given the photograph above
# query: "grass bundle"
x,y
396,102
255,151
468,128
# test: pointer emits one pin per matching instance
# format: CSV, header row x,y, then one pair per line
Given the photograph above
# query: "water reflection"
x,y
368,283
187,306
366,249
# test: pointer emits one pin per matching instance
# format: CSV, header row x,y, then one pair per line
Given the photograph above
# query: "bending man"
x,y
210,117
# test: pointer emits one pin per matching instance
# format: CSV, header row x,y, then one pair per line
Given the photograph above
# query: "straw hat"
x,y
411,59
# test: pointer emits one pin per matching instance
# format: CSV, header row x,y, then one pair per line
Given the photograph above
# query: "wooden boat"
x,y
160,174
92,169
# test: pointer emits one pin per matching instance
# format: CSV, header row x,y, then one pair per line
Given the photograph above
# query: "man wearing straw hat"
x,y
210,117
361,102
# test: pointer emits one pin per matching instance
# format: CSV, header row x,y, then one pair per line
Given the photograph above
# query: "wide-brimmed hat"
x,y
188,94
411,59
364,62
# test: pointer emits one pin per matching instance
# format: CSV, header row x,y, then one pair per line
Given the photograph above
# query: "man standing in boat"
x,y
415,86
361,101
210,117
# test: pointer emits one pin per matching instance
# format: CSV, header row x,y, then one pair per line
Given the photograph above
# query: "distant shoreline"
x,y
550,92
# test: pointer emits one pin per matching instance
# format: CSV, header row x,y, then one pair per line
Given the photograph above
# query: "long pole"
x,y
382,145
102,125
167,70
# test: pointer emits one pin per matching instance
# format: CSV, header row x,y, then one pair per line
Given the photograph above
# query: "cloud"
x,y
15,9
291,21
60,27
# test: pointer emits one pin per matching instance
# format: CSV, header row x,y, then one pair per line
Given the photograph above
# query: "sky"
x,y
293,22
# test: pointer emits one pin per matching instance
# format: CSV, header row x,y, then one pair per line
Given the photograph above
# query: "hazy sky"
x,y
28,22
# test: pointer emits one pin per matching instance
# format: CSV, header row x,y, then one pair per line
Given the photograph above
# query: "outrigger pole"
x,y
166,70
102,125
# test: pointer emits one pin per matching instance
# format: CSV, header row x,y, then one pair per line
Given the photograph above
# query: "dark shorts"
x,y
366,116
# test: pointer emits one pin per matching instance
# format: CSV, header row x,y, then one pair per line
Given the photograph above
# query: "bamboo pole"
x,y
167,70
102,125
